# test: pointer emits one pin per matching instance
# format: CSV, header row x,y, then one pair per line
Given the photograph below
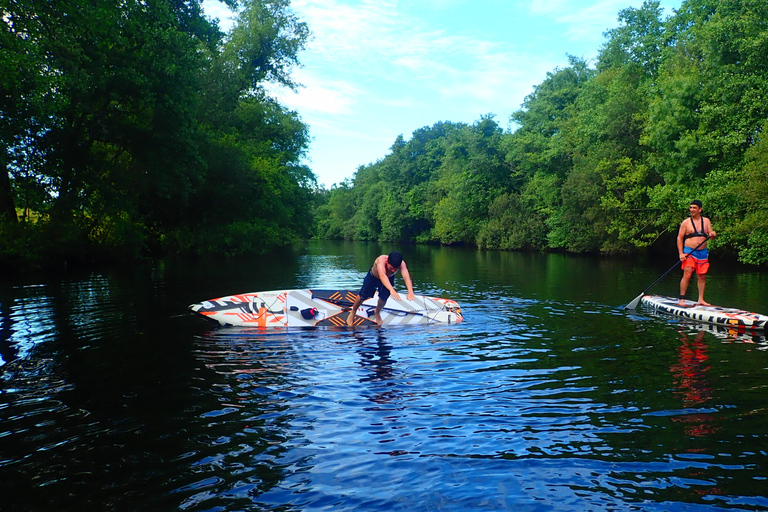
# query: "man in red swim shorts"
x,y
694,231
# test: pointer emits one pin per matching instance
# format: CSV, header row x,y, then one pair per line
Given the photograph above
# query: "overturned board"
x,y
322,308
715,315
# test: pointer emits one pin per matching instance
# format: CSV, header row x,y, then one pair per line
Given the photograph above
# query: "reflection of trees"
x,y
245,419
692,382
7,352
98,391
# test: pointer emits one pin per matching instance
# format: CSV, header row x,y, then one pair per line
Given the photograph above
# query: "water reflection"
x,y
379,365
8,350
691,379
691,370
243,425
546,398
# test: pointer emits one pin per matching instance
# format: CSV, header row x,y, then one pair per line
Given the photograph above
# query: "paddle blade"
x,y
635,302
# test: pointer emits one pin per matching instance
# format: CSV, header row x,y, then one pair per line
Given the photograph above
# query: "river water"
x,y
549,396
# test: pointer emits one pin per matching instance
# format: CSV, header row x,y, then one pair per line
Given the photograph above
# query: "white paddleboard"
x,y
708,314
318,308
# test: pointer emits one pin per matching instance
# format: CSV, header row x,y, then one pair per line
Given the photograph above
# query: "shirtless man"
x,y
385,265
694,231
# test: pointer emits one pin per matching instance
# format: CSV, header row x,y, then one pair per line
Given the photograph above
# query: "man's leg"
x,y
687,272
702,282
383,295
377,311
353,312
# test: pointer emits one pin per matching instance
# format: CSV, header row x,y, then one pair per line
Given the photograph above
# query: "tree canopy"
x,y
138,127
603,158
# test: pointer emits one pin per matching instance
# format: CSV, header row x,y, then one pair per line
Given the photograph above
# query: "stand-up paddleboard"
x,y
708,314
321,308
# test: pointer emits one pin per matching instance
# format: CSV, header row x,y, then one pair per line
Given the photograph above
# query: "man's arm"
x,y
407,279
381,269
681,241
708,226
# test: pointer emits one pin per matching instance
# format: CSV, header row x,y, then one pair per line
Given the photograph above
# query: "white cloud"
x,y
375,69
549,7
377,42
348,33
217,10
319,94
587,20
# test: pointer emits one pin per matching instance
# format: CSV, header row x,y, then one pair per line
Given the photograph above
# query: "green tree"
x,y
536,144
603,159
741,196
20,95
604,197
638,42
707,108
472,175
334,215
129,119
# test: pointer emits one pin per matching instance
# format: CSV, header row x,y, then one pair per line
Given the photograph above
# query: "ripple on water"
x,y
524,405
388,418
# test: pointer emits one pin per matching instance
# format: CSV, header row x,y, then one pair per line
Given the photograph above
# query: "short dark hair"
x,y
395,259
697,203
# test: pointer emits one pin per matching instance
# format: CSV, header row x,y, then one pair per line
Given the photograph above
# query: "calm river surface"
x,y
549,396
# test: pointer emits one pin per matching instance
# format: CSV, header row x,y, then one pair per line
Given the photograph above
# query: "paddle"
x,y
636,301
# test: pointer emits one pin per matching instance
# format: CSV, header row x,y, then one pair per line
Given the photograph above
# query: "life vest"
x,y
696,233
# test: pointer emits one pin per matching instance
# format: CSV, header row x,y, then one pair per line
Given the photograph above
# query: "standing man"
x,y
693,232
381,278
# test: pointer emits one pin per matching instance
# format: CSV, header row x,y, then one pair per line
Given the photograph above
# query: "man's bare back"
x,y
382,270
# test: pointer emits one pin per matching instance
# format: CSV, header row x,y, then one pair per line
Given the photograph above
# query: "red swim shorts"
x,y
698,260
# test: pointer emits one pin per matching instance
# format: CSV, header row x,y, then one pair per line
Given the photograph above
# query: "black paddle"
x,y
636,301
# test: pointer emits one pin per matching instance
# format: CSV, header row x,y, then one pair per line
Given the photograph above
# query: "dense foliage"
x,y
604,158
136,127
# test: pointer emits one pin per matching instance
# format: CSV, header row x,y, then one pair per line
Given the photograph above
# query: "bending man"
x,y
381,278
693,232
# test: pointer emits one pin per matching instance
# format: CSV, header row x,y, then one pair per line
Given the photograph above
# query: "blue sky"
x,y
376,69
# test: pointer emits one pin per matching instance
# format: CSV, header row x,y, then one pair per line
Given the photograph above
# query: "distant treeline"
x,y
136,127
602,159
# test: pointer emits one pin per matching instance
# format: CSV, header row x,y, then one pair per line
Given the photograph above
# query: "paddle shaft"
x,y
634,303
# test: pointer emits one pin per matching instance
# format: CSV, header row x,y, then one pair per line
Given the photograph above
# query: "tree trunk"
x,y
7,206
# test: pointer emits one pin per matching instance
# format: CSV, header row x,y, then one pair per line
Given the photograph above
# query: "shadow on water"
x,y
548,397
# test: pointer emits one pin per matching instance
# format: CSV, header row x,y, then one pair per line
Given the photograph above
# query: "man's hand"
x,y
411,296
395,295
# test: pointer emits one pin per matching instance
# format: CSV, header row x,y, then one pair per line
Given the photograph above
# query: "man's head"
x,y
395,259
695,207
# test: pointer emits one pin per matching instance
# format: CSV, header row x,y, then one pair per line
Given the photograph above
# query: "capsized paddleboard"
x,y
320,308
708,314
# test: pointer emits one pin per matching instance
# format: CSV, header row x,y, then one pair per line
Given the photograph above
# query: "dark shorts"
x,y
372,284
